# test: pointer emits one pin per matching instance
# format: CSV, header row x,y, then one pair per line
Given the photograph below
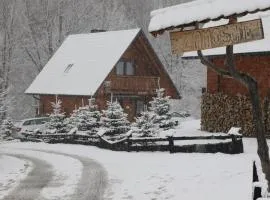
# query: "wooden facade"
x,y
132,91
255,64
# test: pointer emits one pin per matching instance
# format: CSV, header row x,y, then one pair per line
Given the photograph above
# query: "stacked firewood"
x,y
266,110
220,112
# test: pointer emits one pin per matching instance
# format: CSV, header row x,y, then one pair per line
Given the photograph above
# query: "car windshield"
x,y
29,122
35,121
42,120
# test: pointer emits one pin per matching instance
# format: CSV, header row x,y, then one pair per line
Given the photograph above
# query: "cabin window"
x,y
120,68
125,68
129,68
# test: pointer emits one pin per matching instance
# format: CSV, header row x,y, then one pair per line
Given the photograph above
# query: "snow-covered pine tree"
x,y
57,118
86,117
114,119
161,108
145,126
6,128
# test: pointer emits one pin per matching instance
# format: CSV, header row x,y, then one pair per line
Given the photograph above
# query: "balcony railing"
x,y
140,85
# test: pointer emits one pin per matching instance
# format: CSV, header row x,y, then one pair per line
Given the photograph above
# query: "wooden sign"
x,y
208,38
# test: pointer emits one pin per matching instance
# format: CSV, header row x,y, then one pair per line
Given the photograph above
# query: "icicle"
x,y
90,101
111,97
82,103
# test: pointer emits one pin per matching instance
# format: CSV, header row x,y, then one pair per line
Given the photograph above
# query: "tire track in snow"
x,y
93,181
37,179
66,174
12,171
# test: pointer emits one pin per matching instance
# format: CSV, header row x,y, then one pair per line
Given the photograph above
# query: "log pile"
x,y
267,114
220,112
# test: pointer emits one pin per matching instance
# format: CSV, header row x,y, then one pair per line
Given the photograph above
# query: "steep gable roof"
x,y
82,62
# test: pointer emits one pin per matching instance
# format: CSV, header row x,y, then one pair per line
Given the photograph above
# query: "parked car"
x,y
178,117
31,124
181,114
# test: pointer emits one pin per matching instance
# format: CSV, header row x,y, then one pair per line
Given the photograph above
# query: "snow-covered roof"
x,y
202,11
248,47
82,63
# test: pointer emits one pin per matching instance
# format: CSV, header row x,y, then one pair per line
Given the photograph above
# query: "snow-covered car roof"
x,y
33,118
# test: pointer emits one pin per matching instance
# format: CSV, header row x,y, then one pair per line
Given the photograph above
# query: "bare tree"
x,y
40,18
8,43
251,84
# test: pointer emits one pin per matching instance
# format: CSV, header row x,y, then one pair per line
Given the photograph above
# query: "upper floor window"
x,y
125,68
140,107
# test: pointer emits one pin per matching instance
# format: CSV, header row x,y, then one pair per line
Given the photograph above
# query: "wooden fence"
x,y
259,184
257,191
231,144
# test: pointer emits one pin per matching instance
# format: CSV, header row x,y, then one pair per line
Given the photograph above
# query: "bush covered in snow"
x,y
114,119
86,118
160,106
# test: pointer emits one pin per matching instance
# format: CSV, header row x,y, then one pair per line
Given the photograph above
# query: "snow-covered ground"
x,y
67,172
156,175
12,171
191,127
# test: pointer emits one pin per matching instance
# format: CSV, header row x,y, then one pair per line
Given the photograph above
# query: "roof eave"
x,y
57,94
259,53
193,23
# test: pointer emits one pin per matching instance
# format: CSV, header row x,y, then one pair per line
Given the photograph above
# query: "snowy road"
x,y
56,176
93,179
36,180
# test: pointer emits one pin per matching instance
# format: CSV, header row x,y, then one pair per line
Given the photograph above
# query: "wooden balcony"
x,y
137,85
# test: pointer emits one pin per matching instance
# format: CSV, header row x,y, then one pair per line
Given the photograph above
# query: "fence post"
x,y
171,145
129,143
234,144
99,144
233,138
257,191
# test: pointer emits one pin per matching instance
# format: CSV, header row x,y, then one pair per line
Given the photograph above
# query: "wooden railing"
x,y
128,143
140,85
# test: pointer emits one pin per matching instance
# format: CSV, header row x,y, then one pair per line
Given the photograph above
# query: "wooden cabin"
x,y
226,101
116,64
